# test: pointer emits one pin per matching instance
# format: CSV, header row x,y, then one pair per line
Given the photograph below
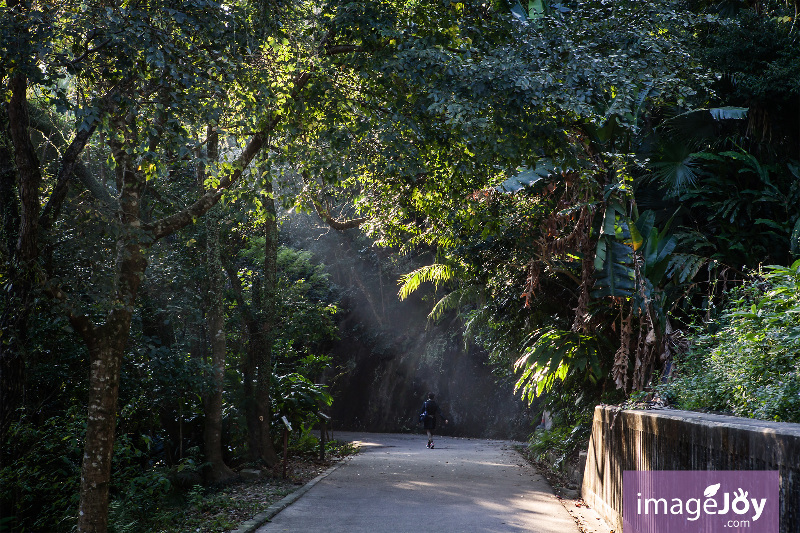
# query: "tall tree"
x,y
535,168
259,315
217,470
264,357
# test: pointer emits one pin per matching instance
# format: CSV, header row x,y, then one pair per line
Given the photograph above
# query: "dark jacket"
x,y
430,410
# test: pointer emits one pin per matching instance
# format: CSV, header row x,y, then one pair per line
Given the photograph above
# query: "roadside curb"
x,y
262,518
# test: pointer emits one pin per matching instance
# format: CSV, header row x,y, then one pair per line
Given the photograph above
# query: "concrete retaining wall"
x,y
682,440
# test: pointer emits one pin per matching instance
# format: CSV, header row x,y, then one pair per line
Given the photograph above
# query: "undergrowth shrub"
x,y
40,489
572,410
139,489
746,362
560,443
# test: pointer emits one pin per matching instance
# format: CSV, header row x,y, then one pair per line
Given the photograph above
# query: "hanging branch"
x,y
338,225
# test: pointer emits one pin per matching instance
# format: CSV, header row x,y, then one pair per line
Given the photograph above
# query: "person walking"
x,y
428,413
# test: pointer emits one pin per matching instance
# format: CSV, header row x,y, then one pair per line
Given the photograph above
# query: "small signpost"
x,y
323,425
286,429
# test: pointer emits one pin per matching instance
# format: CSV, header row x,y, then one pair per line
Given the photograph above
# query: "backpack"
x,y
424,414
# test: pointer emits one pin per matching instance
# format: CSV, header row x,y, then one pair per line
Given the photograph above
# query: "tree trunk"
x,y
12,362
12,359
251,334
212,403
22,254
257,367
30,176
250,371
106,349
264,362
106,345
217,470
9,209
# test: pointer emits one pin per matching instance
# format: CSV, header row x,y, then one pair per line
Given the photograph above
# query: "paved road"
x,y
397,485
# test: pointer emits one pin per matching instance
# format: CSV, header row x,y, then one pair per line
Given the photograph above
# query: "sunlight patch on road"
x,y
414,485
367,444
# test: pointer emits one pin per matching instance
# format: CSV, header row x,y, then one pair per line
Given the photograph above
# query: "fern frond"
x,y
453,300
475,320
553,355
436,272
684,267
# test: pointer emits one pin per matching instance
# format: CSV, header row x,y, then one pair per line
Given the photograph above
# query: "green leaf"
x,y
615,275
729,113
684,267
551,355
436,272
535,8
645,222
527,176
675,167
636,238
770,223
794,240
519,12
610,224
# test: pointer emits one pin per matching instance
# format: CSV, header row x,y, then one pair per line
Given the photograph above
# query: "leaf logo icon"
x,y
711,490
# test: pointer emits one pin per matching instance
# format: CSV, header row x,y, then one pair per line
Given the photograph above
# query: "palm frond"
x,y
676,167
453,300
551,355
475,320
436,272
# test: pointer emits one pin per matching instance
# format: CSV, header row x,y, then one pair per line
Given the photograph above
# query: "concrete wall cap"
x,y
692,417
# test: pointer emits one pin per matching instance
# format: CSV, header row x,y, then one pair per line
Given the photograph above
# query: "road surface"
x,y
395,484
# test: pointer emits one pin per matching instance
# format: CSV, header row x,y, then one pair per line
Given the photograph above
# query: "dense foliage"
x,y
745,360
653,191
158,455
